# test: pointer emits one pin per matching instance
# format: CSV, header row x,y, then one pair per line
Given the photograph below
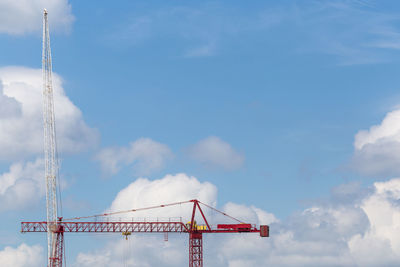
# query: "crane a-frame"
x,y
56,227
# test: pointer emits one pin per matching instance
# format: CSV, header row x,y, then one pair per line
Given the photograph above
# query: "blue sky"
x,y
289,107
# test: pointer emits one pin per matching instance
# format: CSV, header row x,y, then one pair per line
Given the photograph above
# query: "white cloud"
x,y
21,126
249,214
9,107
170,189
388,129
145,193
25,16
331,234
214,152
22,186
23,255
144,154
101,259
377,150
356,232
138,251
380,241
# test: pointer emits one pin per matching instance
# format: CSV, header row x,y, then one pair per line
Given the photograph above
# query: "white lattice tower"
x,y
50,149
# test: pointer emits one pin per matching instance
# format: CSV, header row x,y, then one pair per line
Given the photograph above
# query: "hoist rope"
x,y
152,207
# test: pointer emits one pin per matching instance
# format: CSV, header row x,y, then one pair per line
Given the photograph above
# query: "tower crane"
x,y
192,228
56,226
54,235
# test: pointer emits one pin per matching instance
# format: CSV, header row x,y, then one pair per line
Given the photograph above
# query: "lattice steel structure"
x,y
54,236
196,249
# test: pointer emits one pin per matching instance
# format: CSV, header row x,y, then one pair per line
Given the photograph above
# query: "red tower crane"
x,y
56,226
194,230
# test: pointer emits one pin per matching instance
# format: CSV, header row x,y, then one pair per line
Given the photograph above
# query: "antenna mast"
x,y
50,150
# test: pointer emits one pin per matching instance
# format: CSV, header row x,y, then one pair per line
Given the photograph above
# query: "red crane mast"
x,y
126,228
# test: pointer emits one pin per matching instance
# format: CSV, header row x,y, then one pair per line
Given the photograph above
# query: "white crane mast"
x,y
50,150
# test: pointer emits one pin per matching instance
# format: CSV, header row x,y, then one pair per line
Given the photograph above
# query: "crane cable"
x,y
126,211
152,207
223,213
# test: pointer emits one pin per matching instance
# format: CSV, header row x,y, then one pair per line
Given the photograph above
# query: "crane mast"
x,y
50,149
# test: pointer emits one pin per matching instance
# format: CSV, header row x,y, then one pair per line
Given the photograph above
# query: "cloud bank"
x,y
345,231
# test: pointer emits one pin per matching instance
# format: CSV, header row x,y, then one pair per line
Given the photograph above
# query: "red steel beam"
x,y
101,227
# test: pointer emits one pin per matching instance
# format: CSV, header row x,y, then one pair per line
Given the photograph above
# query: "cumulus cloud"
x,y
9,107
249,214
25,16
23,255
389,128
22,186
145,193
380,241
377,150
21,126
215,153
149,250
352,232
144,154
170,189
